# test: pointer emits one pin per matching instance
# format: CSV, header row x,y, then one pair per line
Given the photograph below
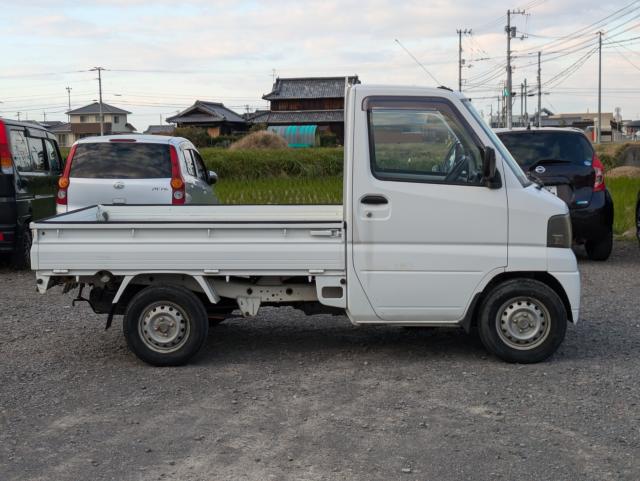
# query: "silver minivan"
x,y
141,169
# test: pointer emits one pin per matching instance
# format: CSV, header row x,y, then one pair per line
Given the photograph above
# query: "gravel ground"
x,y
289,397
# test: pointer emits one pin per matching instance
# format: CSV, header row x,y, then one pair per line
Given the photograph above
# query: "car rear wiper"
x,y
536,180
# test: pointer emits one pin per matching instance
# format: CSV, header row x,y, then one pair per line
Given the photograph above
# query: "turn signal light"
x,y
177,184
6,165
63,182
598,184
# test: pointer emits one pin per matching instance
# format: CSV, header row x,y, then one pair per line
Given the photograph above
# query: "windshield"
x,y
119,160
534,146
504,152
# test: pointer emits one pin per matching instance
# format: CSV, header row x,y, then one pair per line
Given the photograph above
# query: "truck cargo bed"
x,y
220,240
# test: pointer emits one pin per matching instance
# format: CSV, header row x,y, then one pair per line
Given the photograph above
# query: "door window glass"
x,y
38,156
425,143
191,166
52,155
201,170
20,151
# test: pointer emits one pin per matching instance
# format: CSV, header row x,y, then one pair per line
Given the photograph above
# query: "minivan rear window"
x,y
120,160
531,147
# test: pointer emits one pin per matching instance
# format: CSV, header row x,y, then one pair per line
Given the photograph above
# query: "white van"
x,y
141,169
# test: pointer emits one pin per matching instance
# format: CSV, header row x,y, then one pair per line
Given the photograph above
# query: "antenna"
x,y
418,62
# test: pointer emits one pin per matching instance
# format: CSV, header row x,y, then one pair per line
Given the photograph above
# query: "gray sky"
x,y
163,55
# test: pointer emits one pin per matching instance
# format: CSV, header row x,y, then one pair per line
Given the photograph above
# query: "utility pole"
x,y
44,116
460,61
521,103
539,90
68,89
18,114
526,113
599,131
99,70
511,33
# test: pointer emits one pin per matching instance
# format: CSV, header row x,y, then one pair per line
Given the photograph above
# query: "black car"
x,y
30,164
564,162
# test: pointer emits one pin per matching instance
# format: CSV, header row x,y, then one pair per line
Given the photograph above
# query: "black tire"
x,y
21,258
522,301
183,308
600,250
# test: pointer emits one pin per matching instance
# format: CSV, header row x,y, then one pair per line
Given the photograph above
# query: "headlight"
x,y
559,231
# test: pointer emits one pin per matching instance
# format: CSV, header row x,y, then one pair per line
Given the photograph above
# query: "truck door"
x,y
426,230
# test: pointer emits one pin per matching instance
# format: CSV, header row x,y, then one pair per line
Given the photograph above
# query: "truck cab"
x,y
439,227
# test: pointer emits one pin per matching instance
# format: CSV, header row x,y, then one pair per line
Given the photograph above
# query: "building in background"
x,y
308,101
160,130
85,122
213,116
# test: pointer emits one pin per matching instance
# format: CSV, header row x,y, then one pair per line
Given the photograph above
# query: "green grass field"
x,y
625,193
277,190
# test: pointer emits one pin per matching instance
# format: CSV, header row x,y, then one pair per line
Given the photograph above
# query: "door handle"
x,y
374,200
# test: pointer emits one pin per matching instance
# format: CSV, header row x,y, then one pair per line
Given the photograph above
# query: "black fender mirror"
x,y
490,174
212,177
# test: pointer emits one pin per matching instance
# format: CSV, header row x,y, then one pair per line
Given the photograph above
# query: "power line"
x,y
418,62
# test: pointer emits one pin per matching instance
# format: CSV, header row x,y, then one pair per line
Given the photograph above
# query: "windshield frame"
x,y
498,145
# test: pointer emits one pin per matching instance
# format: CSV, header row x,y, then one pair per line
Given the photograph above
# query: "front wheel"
x,y
523,321
165,326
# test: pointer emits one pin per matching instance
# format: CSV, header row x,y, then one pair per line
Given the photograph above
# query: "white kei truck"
x,y
439,227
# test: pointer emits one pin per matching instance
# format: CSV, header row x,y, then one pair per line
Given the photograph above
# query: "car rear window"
x,y
531,147
119,160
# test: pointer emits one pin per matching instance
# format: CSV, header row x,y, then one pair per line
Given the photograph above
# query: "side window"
x,y
200,167
422,143
20,151
191,168
38,156
52,156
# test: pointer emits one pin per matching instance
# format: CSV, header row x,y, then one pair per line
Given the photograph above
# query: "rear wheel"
x,y
165,326
21,258
600,250
522,320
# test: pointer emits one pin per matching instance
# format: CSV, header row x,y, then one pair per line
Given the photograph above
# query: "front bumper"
x,y
595,221
563,266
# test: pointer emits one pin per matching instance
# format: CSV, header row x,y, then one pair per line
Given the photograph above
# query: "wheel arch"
x,y
157,277
470,319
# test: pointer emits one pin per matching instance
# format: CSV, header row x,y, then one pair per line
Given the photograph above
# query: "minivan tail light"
x,y
177,182
64,181
6,165
598,184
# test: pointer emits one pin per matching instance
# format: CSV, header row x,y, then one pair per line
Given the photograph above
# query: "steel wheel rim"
x,y
523,323
164,327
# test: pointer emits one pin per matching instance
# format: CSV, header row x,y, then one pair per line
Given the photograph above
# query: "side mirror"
x,y
212,177
490,173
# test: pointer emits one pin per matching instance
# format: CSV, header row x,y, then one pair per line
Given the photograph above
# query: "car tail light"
x,y
1,237
598,184
6,165
63,182
177,182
